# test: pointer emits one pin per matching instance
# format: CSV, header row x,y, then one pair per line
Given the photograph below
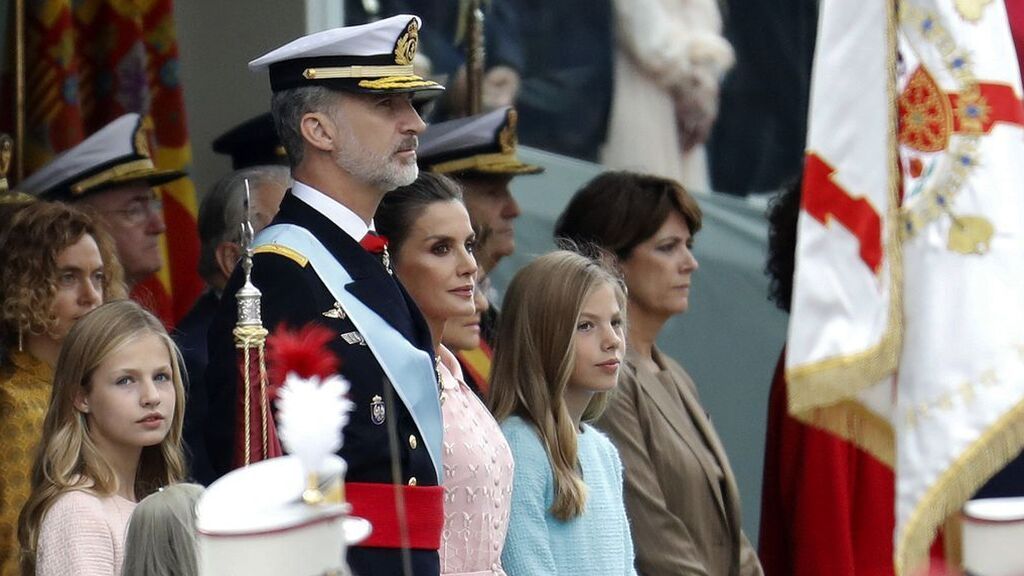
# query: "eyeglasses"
x,y
139,210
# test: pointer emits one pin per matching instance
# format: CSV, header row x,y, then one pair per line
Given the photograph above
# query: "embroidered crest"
x,y
336,312
405,47
926,118
353,338
507,138
377,413
971,10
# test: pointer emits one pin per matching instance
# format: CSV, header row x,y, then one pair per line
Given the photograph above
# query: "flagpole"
x,y
19,89
474,57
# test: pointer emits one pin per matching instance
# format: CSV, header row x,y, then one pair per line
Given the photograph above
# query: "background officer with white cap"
x,y
112,172
342,105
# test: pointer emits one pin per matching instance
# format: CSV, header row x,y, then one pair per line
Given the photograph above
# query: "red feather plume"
x,y
304,352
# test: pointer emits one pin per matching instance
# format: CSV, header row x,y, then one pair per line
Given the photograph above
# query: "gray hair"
x,y
288,106
223,210
161,534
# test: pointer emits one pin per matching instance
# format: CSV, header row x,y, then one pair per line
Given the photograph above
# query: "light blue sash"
x,y
410,369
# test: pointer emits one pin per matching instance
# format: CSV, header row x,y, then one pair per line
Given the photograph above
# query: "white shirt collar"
x,y
335,211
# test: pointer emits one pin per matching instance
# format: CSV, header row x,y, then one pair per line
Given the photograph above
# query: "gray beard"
x,y
381,172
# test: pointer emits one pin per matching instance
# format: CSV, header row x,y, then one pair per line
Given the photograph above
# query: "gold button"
x,y
412,441
412,481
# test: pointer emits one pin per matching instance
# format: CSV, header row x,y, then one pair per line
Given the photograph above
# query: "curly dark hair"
x,y
783,213
33,237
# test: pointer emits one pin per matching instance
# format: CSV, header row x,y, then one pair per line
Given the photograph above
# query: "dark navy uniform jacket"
x,y
295,295
190,336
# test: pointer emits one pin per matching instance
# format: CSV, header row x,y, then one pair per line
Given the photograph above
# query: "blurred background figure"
x,y
252,143
56,264
563,54
112,435
220,217
161,539
669,60
444,44
757,144
432,242
681,495
112,173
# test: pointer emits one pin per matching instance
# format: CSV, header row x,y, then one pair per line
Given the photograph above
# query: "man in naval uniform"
x,y
342,104
112,173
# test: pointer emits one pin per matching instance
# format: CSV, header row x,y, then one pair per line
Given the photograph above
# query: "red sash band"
x,y
424,509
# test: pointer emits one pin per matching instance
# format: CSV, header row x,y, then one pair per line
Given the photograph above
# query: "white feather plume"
x,y
311,414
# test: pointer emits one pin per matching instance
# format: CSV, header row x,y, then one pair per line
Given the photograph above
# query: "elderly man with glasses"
x,y
112,173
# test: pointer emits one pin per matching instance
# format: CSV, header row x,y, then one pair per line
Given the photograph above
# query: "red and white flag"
x,y
907,328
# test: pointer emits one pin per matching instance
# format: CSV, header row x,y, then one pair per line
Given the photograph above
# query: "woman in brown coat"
x,y
680,492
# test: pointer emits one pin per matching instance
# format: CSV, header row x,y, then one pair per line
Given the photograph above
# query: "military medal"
x,y
336,312
353,338
377,413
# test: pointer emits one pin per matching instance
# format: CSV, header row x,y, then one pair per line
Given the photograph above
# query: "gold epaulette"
x,y
283,251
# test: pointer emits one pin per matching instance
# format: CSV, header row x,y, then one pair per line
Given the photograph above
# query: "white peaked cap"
x,y
116,155
372,58
254,522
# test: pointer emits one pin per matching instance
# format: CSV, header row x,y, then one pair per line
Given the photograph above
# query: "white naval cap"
x,y
481,144
371,58
255,521
116,155
993,529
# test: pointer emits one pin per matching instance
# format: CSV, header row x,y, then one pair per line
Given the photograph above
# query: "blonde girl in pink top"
x,y
112,435
431,242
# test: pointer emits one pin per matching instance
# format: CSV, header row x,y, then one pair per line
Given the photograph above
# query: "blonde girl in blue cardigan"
x,y
558,351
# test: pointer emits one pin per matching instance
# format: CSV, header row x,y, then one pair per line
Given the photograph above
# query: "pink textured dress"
x,y
477,479
82,534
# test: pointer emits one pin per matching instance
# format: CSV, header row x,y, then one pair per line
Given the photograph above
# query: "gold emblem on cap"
x,y
405,47
507,138
141,137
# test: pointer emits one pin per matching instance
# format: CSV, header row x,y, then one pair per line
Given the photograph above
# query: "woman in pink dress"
x,y
431,241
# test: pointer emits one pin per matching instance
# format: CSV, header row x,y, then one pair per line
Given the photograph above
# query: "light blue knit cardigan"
x,y
595,543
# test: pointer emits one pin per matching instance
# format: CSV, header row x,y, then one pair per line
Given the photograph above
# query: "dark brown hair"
x,y
618,210
401,207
